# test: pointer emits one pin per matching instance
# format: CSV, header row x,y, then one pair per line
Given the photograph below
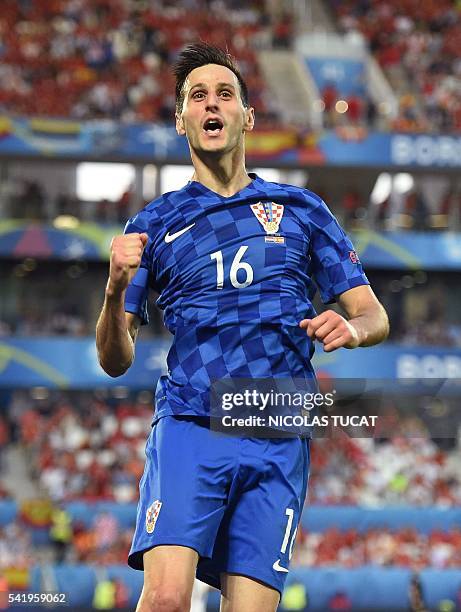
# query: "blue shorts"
x,y
236,501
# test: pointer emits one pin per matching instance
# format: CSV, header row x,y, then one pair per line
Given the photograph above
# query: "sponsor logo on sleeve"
x,y
354,257
152,513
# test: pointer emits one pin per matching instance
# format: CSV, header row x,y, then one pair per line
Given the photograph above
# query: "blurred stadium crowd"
x,y
379,547
89,446
417,44
110,60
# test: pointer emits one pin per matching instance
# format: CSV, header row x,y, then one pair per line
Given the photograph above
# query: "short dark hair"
x,y
200,54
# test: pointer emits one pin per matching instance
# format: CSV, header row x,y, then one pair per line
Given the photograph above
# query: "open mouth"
x,y
213,127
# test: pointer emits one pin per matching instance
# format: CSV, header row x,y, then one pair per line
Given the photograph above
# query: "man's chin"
x,y
212,147
220,145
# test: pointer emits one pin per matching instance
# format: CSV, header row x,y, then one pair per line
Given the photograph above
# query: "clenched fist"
x,y
125,257
332,329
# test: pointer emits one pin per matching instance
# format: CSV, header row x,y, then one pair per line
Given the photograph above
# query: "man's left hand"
x,y
332,329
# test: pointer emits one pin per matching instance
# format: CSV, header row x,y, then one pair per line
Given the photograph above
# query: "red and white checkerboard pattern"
x,y
262,216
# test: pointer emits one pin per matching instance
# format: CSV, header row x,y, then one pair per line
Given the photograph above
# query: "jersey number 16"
x,y
237,264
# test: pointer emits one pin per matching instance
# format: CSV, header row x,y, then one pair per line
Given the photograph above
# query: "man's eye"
x,y
226,94
198,95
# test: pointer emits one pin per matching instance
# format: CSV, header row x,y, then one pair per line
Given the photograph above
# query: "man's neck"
x,y
222,176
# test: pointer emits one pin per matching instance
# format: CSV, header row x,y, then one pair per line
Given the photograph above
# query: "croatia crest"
x,y
269,214
152,515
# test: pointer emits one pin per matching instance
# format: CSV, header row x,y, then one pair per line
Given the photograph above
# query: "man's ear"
x,y
180,125
249,119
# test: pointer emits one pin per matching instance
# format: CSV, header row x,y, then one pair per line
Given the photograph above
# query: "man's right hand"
x,y
125,258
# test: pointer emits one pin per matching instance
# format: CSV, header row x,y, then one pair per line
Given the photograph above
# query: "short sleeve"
x,y
336,267
138,290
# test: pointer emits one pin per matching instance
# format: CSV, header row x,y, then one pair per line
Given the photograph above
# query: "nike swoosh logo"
x,y
170,237
278,568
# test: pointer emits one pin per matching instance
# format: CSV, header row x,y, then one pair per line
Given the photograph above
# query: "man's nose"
x,y
212,101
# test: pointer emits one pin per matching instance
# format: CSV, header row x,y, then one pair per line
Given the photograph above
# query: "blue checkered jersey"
x,y
235,275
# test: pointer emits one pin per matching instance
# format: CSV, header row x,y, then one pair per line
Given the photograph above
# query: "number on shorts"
x,y
286,538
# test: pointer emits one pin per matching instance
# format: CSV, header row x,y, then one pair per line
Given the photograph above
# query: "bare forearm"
x,y
113,341
366,323
372,326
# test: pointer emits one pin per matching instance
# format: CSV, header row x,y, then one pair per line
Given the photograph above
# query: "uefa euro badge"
x,y
269,214
152,515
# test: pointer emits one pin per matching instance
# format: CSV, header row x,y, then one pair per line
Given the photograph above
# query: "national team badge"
x,y
269,214
152,515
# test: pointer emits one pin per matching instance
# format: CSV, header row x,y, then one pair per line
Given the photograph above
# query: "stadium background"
x,y
359,101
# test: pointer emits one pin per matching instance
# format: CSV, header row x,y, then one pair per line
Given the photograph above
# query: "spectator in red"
x,y
329,97
283,32
355,109
352,205
123,205
122,595
340,601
